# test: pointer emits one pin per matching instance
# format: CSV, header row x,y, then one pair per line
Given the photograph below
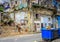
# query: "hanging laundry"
x,y
6,5
1,2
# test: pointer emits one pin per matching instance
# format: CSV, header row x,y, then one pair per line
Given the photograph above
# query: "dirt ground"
x,y
6,31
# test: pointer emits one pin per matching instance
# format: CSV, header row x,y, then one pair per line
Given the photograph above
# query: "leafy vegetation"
x,y
1,8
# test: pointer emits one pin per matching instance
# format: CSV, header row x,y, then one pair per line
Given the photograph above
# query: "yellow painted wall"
x,y
29,19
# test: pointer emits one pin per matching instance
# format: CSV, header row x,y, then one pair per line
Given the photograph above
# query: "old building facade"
x,y
31,17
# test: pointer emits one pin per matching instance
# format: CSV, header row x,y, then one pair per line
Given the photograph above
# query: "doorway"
x,y
37,26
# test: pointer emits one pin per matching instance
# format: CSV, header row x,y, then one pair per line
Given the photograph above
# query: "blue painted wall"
x,y
22,5
55,3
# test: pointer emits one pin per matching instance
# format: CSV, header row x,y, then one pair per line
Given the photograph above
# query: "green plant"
x,y
1,8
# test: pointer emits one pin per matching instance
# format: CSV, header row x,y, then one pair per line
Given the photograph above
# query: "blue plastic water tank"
x,y
47,34
59,32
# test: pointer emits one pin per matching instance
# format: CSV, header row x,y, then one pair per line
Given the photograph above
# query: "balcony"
x,y
49,7
43,9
